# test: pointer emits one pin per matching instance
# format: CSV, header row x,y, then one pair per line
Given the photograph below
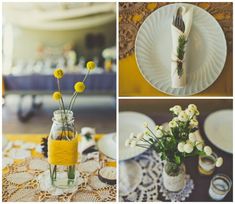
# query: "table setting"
x,y
175,50
204,161
62,165
25,172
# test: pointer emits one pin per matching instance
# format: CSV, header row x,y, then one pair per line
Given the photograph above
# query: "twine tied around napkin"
x,y
179,38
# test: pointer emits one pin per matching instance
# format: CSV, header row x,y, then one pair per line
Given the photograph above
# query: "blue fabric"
x,y
105,82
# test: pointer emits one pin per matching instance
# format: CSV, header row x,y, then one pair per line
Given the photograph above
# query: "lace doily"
x,y
27,180
147,190
152,184
179,196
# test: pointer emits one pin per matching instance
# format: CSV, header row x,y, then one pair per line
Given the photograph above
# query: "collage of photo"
x,y
117,101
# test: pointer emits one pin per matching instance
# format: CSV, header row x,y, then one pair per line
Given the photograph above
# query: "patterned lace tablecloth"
x,y
21,179
132,15
151,184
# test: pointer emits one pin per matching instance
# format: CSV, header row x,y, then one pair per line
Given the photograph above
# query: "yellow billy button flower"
x,y
79,87
56,95
90,65
58,73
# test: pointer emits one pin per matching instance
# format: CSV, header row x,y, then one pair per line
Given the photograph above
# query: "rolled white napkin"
x,y
180,81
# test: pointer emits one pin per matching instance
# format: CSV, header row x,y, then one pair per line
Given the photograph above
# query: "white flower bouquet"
x,y
177,142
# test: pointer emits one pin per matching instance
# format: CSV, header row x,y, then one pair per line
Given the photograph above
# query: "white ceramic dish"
x,y
219,129
131,122
130,177
107,145
206,50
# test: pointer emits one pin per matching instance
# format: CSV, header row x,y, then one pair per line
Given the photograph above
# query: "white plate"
x,y
219,129
130,177
131,122
205,57
107,145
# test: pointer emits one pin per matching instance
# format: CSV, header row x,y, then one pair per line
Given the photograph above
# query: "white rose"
x,y
188,148
183,117
219,162
172,124
190,112
133,143
159,134
127,142
192,107
160,127
197,112
180,146
192,137
208,150
193,123
176,109
199,145
140,136
176,119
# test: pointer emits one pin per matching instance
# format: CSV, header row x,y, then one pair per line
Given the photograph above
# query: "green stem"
x,y
86,76
75,94
71,174
70,103
74,99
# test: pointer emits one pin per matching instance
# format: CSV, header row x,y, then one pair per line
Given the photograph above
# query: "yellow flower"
x,y
90,65
58,73
79,87
56,95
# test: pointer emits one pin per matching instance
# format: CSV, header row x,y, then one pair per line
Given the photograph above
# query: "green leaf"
x,y
177,159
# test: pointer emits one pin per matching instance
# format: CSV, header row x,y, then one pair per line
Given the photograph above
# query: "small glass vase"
x,y
206,164
63,129
174,177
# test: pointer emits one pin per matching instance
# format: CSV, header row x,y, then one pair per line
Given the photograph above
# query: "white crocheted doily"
x,y
147,190
151,183
45,184
178,196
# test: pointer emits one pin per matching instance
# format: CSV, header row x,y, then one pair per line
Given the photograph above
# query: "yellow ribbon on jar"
x,y
63,152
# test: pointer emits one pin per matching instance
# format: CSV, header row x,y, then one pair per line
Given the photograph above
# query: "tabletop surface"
x,y
131,81
161,115
21,180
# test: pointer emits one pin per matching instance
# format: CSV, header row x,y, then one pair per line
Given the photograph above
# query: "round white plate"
x,y
219,129
130,177
107,145
206,50
131,122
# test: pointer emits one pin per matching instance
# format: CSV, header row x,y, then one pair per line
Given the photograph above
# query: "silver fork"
x,y
178,21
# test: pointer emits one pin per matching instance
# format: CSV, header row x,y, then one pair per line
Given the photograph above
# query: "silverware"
x,y
178,20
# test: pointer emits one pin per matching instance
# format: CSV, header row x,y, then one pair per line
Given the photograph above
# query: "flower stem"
x,y
75,94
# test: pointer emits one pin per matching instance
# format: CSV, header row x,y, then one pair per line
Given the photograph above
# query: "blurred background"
x,y
39,37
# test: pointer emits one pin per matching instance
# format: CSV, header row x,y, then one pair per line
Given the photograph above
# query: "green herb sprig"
x,y
180,54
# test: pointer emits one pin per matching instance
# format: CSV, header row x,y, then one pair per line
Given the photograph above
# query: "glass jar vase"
x,y
62,150
206,164
174,176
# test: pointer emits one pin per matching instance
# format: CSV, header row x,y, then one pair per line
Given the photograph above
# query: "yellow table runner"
x,y
36,138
